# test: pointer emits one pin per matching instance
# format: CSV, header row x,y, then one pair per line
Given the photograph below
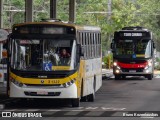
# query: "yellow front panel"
x,y
46,81
60,67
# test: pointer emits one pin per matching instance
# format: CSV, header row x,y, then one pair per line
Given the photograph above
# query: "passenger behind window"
x,y
64,57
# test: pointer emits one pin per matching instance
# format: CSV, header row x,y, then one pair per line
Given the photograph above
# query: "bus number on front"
x,y
53,81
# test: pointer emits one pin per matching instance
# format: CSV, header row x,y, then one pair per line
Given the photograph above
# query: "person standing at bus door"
x,y
65,57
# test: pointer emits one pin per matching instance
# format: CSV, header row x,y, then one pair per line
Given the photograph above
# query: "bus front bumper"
x,y
43,92
132,72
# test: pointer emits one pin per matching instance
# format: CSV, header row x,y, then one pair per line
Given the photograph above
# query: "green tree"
x,y
88,12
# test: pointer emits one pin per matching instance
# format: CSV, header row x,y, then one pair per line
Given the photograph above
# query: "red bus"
x,y
133,53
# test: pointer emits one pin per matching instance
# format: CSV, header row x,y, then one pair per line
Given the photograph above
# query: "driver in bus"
x,y
65,57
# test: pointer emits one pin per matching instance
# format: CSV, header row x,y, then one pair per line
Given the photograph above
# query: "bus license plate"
x,y
42,93
132,70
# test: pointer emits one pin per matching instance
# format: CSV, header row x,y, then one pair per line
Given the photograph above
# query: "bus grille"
x,y
127,70
53,85
48,94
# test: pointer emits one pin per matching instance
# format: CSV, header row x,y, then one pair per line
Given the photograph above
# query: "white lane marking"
x,y
94,113
77,110
80,107
91,108
54,110
32,110
112,108
73,109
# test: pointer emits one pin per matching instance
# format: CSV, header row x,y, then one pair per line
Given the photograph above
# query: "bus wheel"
x,y
117,77
91,97
76,102
84,99
150,77
123,77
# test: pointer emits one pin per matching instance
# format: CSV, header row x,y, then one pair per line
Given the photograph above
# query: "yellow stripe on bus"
x,y
140,55
60,67
46,81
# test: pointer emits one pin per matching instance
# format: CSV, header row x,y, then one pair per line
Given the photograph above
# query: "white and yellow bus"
x,y
53,59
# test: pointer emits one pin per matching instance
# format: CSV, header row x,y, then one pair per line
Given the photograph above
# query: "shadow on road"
x,y
134,78
37,104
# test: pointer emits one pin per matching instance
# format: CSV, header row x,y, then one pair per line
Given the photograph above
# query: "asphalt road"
x,y
113,100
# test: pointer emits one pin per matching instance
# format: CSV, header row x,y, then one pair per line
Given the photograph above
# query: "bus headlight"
x,y
149,64
114,63
16,82
67,84
117,71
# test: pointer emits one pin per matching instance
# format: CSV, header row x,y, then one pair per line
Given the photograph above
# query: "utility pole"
x,y
72,11
109,22
28,10
1,13
109,11
53,9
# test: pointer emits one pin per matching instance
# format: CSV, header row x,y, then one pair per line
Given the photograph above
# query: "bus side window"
x,y
84,45
87,45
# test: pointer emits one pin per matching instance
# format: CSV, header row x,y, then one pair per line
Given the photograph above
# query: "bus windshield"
x,y
43,55
133,48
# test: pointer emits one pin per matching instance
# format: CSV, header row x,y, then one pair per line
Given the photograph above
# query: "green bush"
x,y
157,59
108,60
157,67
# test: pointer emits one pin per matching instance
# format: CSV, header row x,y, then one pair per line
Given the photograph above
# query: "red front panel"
x,y
132,65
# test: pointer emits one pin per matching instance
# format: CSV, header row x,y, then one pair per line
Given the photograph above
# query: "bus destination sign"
x,y
133,34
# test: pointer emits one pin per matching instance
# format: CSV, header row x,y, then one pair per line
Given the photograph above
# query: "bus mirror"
x,y
111,45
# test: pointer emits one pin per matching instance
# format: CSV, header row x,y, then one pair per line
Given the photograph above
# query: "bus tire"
x,y
91,97
150,77
123,77
117,77
75,102
84,99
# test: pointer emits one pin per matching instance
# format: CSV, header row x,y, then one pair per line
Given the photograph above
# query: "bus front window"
x,y
43,55
144,48
124,47
133,48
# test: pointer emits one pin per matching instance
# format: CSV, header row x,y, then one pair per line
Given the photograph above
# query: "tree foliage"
x,y
88,12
